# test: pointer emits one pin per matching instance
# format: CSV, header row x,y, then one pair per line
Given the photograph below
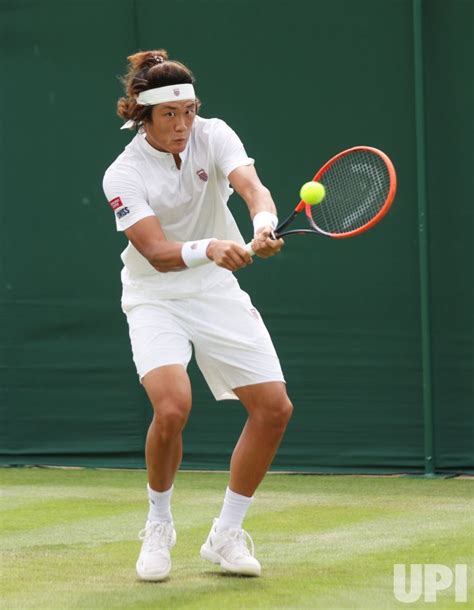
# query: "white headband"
x,y
171,93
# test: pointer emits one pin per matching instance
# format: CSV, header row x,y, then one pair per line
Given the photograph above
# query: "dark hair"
x,y
147,70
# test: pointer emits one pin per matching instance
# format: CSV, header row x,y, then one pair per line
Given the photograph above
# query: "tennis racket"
x,y
360,185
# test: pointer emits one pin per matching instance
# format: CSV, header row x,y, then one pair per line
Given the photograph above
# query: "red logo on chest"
x,y
202,174
115,203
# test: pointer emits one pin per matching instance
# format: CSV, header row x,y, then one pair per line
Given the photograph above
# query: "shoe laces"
x,y
235,542
156,535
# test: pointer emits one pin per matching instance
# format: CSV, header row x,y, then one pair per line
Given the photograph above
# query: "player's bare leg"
x,y
269,410
169,391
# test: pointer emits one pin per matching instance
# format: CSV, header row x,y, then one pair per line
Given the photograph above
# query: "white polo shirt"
x,y
190,203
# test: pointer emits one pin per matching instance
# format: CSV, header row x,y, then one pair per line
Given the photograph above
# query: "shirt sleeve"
x,y
229,152
126,195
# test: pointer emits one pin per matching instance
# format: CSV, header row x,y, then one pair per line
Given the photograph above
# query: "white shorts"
x,y
231,343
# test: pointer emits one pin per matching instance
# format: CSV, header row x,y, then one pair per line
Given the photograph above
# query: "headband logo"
x,y
176,92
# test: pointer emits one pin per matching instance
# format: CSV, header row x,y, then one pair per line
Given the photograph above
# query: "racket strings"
x,y
357,186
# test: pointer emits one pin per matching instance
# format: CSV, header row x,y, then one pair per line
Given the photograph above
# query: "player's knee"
x,y
286,411
171,421
278,416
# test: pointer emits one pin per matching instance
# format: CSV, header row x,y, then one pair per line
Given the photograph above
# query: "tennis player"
x,y
169,190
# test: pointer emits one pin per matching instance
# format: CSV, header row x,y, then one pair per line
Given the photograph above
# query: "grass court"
x,y
69,541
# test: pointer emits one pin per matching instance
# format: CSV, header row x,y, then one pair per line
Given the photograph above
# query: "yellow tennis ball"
x,y
312,192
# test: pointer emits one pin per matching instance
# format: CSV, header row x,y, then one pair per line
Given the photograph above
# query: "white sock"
x,y
233,511
160,504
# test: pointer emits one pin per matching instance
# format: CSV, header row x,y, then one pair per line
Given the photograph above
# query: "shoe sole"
x,y
213,557
154,577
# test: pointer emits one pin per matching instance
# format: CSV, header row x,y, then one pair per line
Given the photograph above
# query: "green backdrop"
x,y
298,80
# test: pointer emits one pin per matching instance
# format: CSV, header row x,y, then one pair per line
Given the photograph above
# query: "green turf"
x,y
69,541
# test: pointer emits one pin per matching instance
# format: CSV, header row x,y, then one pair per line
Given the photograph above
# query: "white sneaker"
x,y
229,549
154,561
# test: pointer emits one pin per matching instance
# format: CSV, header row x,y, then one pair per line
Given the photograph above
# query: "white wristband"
x,y
194,254
264,219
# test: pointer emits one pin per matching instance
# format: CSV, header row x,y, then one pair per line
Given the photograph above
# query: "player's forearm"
x,y
176,256
165,256
260,200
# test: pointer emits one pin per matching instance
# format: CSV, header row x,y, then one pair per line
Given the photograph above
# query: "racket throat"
x,y
287,221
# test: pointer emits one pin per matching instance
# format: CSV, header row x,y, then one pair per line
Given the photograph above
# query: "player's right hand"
x,y
264,245
228,254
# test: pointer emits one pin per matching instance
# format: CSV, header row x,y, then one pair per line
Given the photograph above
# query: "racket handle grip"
x,y
249,248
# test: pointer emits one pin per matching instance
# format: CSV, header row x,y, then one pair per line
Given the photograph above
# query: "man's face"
x,y
170,125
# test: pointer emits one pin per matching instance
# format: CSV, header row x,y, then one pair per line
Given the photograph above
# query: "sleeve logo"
x,y
115,203
123,212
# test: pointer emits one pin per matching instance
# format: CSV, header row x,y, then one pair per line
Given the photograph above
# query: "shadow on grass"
x,y
221,574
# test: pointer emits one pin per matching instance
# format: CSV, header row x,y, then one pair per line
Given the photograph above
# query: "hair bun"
x,y
147,59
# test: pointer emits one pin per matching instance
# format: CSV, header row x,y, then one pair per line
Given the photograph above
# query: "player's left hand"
x,y
264,245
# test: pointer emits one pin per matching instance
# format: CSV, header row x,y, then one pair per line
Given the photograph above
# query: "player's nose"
x,y
180,124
